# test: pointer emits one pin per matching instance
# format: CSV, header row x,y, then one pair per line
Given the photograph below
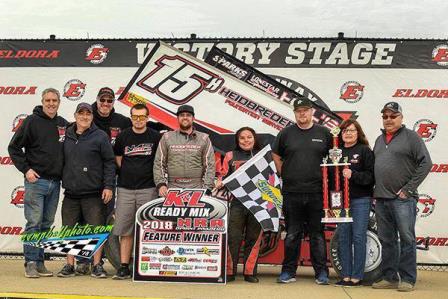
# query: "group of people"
x,y
103,149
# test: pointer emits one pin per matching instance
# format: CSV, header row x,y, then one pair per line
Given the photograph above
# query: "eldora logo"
x,y
439,168
440,55
426,129
421,93
74,90
29,54
18,196
18,90
96,53
352,92
425,205
18,121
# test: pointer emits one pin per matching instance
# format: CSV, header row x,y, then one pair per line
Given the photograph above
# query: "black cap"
x,y
302,102
83,106
106,91
392,106
185,108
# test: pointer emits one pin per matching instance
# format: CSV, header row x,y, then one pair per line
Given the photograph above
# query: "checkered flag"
x,y
257,186
83,246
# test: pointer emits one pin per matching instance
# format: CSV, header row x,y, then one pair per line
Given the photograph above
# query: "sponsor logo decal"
x,y
425,205
185,251
148,250
352,92
17,122
166,251
440,55
426,129
96,53
74,90
180,259
61,132
114,132
18,196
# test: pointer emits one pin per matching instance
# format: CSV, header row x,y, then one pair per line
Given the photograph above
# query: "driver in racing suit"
x,y
184,157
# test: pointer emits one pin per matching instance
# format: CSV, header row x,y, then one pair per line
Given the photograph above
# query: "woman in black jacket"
x,y
242,222
361,180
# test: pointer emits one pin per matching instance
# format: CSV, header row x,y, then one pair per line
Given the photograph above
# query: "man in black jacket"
x,y
36,150
88,179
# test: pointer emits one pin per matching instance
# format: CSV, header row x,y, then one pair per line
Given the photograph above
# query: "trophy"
x,y
335,200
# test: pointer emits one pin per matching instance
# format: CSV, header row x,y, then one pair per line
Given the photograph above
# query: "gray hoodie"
x,y
402,164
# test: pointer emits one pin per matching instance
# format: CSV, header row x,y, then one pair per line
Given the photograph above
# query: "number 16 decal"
x,y
178,80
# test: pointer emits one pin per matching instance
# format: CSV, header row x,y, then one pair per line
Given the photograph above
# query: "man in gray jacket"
x,y
401,164
184,157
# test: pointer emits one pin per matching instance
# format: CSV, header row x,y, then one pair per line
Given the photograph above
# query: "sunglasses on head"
x,y
392,116
109,101
139,117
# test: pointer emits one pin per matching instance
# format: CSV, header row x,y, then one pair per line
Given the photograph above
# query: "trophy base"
x,y
337,219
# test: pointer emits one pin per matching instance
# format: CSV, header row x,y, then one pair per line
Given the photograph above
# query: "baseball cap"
x,y
392,106
302,102
185,108
106,91
82,106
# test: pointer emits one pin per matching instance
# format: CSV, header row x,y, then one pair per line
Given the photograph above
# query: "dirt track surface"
x,y
429,285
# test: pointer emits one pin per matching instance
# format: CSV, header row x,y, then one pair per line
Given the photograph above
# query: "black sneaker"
x,y
251,278
31,270
352,284
98,271
82,268
43,271
122,273
230,278
342,283
67,271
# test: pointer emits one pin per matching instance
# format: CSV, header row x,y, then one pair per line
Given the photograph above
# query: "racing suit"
x,y
242,223
185,161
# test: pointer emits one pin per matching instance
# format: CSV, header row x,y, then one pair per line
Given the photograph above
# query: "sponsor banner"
x,y
170,78
181,238
257,79
273,52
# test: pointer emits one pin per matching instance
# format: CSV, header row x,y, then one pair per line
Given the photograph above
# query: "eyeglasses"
x,y
392,116
139,117
345,131
109,101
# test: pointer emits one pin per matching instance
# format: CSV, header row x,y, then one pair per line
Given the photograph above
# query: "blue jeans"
x,y
40,205
353,238
396,217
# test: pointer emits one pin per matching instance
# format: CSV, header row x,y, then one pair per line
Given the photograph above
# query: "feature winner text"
x,y
184,237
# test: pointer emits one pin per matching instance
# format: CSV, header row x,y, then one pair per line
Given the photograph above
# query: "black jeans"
x,y
298,209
